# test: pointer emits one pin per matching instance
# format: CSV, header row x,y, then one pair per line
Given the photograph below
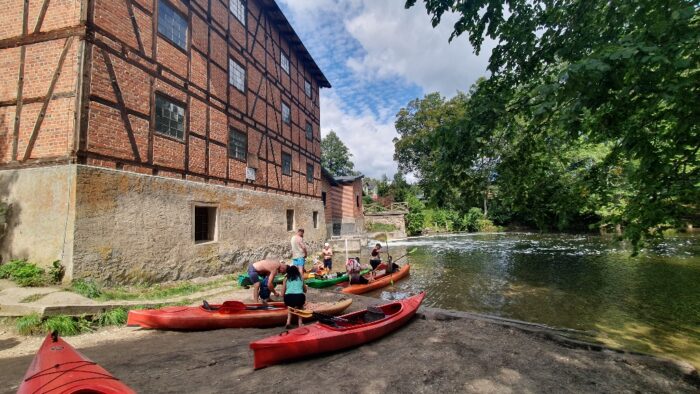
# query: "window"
x,y
309,173
323,198
237,144
286,164
286,114
170,118
309,131
307,88
290,220
236,75
357,200
284,62
172,25
204,224
237,9
315,216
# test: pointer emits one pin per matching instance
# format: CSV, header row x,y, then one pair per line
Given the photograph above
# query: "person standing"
x,y
299,252
327,257
265,268
294,291
375,258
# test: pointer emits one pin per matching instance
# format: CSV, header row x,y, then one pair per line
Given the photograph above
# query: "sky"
x,y
378,56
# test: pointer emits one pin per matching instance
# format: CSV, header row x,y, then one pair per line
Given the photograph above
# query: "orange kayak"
x,y
59,368
198,318
379,281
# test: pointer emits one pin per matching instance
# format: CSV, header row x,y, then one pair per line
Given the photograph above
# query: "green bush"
x,y
67,325
471,221
23,273
87,288
29,325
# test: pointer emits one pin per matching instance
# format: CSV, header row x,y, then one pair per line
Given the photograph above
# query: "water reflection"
x,y
650,303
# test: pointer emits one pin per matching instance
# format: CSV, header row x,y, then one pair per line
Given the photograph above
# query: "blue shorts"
x,y
253,274
328,264
299,262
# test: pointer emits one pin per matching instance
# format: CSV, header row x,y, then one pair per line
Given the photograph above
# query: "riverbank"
x,y
438,351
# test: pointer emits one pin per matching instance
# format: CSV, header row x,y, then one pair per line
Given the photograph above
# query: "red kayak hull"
x,y
378,283
320,338
59,368
187,318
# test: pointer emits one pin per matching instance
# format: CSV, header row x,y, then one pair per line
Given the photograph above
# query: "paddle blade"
x,y
301,312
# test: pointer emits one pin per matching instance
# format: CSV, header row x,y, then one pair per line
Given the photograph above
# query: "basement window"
x,y
315,215
290,220
204,224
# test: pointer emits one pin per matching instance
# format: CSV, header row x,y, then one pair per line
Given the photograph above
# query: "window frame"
x,y
231,63
309,135
245,11
176,102
310,166
314,218
168,4
290,226
285,154
289,109
211,227
231,132
310,93
283,56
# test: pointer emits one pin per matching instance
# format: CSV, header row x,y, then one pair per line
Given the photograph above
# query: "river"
x,y
649,303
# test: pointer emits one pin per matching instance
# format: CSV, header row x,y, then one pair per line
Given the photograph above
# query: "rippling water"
x,y
649,303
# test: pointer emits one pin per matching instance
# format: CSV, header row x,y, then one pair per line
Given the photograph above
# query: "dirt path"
x,y
428,355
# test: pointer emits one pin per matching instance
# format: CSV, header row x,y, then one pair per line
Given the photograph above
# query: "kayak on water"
x,y
230,314
59,368
329,280
381,279
335,333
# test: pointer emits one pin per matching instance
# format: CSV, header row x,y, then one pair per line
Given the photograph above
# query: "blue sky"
x,y
378,56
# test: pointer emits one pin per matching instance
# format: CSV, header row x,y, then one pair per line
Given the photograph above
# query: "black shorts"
x,y
375,263
295,300
358,280
328,263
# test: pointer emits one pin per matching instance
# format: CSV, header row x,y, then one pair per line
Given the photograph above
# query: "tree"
x,y
335,156
612,83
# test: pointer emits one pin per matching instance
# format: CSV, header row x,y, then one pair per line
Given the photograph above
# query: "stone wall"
x,y
393,218
40,214
138,228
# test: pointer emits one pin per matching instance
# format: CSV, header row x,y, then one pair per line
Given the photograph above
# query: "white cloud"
x,y
369,141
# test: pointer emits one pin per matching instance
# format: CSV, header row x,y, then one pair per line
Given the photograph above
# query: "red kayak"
x,y
380,280
334,334
58,368
230,314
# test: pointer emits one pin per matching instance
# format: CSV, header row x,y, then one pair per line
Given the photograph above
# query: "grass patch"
x,y
91,289
32,298
23,273
29,325
380,227
115,317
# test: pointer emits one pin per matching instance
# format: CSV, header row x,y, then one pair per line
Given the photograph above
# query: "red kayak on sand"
x,y
380,280
58,368
230,314
334,334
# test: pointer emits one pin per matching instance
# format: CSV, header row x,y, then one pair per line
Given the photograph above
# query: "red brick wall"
x,y
343,200
37,121
144,63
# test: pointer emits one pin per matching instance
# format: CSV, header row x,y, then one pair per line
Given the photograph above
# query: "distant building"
x,y
342,197
156,140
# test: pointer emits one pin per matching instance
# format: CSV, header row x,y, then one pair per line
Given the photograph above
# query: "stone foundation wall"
x,y
132,228
39,214
395,219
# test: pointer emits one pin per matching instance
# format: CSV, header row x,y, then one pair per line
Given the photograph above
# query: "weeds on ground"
x,y
92,289
67,325
86,288
27,274
115,317
29,325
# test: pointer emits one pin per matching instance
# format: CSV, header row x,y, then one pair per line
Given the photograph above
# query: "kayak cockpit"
x,y
371,316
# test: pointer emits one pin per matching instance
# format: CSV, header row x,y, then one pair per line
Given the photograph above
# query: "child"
x,y
294,291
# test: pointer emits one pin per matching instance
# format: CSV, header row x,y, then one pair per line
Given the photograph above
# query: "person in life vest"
x,y
353,269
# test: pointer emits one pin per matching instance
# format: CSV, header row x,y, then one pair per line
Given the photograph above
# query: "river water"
x,y
649,303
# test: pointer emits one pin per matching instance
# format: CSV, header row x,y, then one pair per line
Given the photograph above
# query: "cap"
x,y
327,244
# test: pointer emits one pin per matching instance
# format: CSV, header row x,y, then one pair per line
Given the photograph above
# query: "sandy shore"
x,y
436,352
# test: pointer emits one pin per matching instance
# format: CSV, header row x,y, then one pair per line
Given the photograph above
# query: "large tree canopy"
x,y
592,102
335,156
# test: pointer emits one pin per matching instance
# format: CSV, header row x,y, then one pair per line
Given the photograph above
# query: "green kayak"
x,y
329,280
244,280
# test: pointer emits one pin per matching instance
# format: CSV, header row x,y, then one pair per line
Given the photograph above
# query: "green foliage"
x,y
473,220
589,116
414,219
335,156
29,325
115,317
56,272
65,325
367,200
87,288
23,273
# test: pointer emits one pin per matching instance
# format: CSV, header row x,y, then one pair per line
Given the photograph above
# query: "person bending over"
x,y
294,291
265,268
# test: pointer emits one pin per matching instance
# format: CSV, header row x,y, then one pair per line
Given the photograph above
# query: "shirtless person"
x,y
269,268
